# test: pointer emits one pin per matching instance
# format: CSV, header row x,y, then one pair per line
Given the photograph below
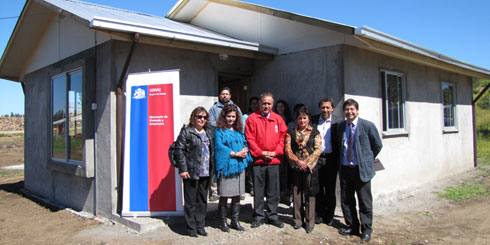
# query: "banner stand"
x,y
151,185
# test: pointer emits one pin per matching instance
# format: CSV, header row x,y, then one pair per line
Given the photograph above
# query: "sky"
x,y
455,28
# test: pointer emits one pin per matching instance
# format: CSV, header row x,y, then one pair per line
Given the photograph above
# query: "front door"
x,y
238,86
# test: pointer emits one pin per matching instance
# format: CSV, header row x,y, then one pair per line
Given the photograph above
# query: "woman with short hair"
x,y
303,148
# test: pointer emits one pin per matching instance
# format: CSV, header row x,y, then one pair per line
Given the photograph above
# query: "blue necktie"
x,y
350,145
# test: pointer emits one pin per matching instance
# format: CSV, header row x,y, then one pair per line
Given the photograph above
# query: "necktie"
x,y
350,145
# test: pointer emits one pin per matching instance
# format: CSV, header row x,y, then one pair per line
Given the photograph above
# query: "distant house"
x,y
70,56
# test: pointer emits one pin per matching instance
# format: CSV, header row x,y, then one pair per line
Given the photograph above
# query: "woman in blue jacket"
x,y
232,159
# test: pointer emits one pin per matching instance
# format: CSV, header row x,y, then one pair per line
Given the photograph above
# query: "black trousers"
x,y
351,185
195,203
266,181
326,199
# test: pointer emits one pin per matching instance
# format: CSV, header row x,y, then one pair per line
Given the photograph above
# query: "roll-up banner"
x,y
151,185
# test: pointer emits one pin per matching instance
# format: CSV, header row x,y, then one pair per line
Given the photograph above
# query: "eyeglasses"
x,y
202,117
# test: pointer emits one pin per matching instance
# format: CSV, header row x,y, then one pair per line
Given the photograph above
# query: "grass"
x,y
426,214
6,174
465,191
479,188
2,135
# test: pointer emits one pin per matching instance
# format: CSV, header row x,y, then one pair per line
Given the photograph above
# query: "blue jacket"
x,y
227,141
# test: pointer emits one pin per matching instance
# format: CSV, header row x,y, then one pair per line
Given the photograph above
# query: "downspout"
x,y
94,110
475,141
119,121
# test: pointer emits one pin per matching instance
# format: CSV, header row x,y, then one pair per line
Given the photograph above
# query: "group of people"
x,y
220,146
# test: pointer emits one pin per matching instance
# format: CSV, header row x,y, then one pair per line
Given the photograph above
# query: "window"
x,y
449,104
393,85
67,116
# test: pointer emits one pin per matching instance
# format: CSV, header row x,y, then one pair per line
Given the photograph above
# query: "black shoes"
x,y
318,220
277,223
193,234
329,222
365,237
222,220
348,231
235,213
202,232
296,226
309,229
257,223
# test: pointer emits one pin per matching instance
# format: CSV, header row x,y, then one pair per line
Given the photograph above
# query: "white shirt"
x,y
325,130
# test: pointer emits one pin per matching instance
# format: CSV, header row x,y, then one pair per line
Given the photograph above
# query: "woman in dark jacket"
x,y
302,149
195,161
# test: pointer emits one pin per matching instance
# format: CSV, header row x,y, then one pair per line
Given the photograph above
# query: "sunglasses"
x,y
202,117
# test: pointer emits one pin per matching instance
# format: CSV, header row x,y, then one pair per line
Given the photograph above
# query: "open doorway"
x,y
238,85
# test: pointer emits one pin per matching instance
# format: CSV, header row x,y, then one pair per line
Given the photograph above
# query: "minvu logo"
x,y
139,94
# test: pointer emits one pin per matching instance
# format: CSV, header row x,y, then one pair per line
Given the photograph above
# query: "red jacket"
x,y
265,134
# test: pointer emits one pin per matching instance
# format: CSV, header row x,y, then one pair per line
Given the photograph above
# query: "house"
x,y
71,56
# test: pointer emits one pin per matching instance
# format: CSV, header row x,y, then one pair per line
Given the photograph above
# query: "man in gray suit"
x,y
359,144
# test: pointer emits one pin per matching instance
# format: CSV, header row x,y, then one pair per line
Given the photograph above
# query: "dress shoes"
x,y
318,220
193,234
202,232
348,231
309,229
256,223
277,223
329,222
296,226
365,237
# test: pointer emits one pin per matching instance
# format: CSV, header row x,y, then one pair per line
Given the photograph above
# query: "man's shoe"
x,y
193,235
329,222
366,237
309,229
348,231
256,223
318,220
277,223
202,232
296,226
213,198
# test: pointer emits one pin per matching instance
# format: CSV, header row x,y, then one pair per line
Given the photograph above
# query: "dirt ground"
x,y
416,216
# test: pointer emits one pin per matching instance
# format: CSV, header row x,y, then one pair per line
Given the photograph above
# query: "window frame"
x,y
387,131
66,74
453,128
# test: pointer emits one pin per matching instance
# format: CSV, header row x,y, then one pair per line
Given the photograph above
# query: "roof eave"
x,y
9,43
374,40
125,27
172,14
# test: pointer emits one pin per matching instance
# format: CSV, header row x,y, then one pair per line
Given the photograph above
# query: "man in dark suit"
x,y
359,144
326,124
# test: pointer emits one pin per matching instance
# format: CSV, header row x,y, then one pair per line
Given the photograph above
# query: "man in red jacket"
x,y
265,131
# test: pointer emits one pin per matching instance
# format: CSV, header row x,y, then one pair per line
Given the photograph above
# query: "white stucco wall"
x,y
189,102
63,38
427,153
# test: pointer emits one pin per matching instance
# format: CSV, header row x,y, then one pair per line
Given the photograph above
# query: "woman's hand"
x,y
302,165
242,154
185,175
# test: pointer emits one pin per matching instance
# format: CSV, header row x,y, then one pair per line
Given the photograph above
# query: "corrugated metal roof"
x,y
90,11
